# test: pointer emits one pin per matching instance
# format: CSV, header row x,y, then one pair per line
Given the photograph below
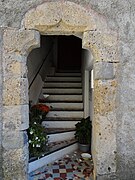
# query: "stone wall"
x,y
1,83
120,17
16,46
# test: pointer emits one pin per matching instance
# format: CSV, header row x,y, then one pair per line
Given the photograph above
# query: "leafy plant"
x,y
38,139
83,131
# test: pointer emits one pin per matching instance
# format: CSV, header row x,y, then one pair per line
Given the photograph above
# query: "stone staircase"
x,y
65,100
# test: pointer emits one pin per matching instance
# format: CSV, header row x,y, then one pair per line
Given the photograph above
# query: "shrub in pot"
x,y
83,134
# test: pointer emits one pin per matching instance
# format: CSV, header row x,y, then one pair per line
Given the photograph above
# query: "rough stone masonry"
x,y
114,95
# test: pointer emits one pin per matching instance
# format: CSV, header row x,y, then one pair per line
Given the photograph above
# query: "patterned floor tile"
x,y
70,167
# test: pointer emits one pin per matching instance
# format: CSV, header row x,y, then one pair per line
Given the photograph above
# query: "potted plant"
x,y
83,134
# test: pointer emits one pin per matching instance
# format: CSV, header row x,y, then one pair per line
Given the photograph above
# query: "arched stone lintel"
x,y
52,13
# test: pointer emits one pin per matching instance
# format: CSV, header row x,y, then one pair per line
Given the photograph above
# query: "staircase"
x,y
65,100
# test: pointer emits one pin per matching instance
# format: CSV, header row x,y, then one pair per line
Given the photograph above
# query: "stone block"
x,y
15,117
104,132
111,176
104,46
103,71
14,65
44,15
15,164
20,42
15,91
104,96
12,139
75,15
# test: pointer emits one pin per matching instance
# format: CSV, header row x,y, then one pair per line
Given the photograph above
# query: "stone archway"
x,y
59,18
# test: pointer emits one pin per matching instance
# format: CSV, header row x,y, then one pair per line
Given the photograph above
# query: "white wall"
x,y
87,62
34,61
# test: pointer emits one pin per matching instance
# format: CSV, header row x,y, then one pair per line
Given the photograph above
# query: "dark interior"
x,y
69,53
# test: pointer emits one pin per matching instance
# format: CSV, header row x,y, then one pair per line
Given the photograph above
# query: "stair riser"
x,y
67,74
59,124
65,106
51,157
62,91
57,79
66,98
61,136
65,114
55,85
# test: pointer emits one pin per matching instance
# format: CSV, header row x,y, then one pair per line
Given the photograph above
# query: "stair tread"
x,y
65,114
62,78
64,98
62,88
56,146
62,81
71,109
58,130
62,91
62,119
65,106
64,84
65,75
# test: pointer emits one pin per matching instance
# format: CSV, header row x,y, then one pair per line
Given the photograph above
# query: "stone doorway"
x,y
59,18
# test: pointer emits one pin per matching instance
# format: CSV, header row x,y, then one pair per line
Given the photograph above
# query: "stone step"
x,y
62,91
64,115
68,71
60,123
58,130
62,79
64,98
65,106
64,84
61,136
55,153
64,74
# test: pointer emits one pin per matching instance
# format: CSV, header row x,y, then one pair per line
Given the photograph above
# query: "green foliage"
x,y
38,139
83,131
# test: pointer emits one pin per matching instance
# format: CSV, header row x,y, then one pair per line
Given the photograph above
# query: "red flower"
x,y
41,107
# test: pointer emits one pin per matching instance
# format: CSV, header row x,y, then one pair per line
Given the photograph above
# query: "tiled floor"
x,y
70,167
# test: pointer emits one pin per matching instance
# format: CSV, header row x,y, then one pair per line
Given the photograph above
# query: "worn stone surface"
x,y
12,139
104,70
104,46
104,96
108,177
17,122
14,163
20,42
15,91
14,64
126,114
16,46
1,75
104,127
58,17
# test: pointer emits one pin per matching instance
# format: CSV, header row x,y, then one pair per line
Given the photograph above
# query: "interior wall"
x,y
86,82
34,62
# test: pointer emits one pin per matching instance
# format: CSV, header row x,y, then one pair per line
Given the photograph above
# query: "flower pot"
x,y
84,147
